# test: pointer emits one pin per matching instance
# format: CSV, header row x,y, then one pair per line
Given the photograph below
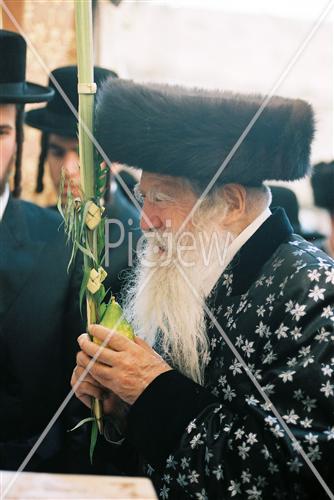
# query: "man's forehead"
x,y
7,113
148,181
63,141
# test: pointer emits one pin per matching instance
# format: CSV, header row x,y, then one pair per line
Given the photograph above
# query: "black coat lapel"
x,y
19,254
248,262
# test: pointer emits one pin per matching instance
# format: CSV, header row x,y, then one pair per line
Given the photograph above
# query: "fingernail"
x,y
81,338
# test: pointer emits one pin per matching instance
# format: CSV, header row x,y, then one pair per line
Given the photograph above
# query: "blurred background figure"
x,y
287,199
59,149
322,181
39,301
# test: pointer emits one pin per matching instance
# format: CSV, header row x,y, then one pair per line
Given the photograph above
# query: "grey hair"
x,y
215,206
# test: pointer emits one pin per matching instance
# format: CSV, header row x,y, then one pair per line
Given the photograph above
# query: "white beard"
x,y
165,303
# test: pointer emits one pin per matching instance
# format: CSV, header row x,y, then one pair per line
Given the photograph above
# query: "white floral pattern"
x,y
283,328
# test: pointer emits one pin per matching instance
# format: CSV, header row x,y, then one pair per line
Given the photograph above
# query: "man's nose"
x,y
149,221
71,165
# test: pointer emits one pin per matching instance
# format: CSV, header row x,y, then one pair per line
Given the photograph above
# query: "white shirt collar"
x,y
3,201
245,235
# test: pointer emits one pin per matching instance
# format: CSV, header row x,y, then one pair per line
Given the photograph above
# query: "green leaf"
x,y
83,288
82,422
93,439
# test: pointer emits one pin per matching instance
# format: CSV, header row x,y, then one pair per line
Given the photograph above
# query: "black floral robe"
x,y
275,302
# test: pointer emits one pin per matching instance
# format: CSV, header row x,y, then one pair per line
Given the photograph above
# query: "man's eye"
x,y
56,153
4,132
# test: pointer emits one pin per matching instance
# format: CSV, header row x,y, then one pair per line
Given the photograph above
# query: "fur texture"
x,y
185,132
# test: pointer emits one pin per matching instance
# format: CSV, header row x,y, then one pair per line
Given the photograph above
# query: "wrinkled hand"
x,y
86,387
125,367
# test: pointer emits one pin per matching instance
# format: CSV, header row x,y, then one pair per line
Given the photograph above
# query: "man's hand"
x,y
125,367
89,388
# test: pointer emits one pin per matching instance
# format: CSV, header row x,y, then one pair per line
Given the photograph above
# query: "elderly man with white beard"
x,y
226,390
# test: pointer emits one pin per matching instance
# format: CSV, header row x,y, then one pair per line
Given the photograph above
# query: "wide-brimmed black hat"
x,y
57,117
13,86
185,132
322,181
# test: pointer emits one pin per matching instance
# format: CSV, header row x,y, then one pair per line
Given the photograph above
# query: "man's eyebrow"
x,y
55,146
137,192
6,126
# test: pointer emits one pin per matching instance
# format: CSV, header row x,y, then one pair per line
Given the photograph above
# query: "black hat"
x,y
57,117
13,87
322,181
186,132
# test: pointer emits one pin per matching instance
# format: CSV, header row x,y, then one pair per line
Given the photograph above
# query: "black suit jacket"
x,y
39,324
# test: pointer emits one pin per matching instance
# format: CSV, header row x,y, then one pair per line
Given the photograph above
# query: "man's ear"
x,y
235,198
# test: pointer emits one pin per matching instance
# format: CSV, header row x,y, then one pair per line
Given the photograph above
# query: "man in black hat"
x,y
39,311
59,147
236,398
322,181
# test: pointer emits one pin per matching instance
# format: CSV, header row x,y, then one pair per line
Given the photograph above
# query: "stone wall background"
x,y
209,43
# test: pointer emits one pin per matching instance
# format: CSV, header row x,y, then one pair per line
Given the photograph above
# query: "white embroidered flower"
x,y
327,389
296,333
323,263
307,422
185,463
248,348
243,451
234,488
269,280
260,311
314,454
182,480
191,426
327,312
289,306
254,493
246,476
291,417
287,376
196,441
218,472
309,404
270,420
251,400
251,438
193,476
314,275
327,370
281,331
166,478
171,462
322,335
298,311
317,293
202,495
330,276
311,438
164,492
239,433
236,367
229,393
330,434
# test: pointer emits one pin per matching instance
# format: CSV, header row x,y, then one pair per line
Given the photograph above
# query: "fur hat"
x,y
322,181
185,132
